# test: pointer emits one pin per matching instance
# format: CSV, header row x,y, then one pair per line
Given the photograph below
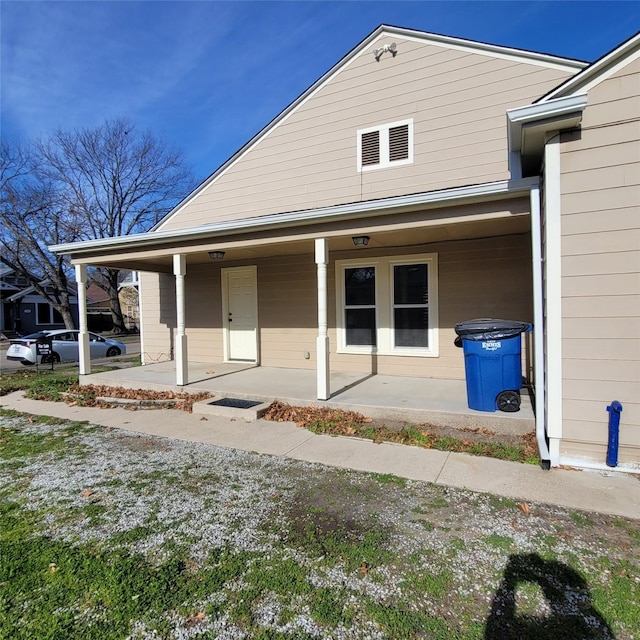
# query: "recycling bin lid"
x,y
491,329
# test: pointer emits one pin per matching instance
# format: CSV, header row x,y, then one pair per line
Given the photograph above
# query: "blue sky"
x,y
209,75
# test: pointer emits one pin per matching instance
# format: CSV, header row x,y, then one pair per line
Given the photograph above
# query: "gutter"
x,y
356,210
527,128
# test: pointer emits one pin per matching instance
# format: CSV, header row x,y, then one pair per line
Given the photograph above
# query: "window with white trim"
x,y
385,145
388,305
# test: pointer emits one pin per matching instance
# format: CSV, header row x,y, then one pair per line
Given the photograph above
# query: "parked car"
x,y
64,346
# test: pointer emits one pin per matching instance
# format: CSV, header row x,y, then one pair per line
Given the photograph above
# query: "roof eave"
x,y
529,126
356,210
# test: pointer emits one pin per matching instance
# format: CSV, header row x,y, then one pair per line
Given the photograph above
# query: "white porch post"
x,y
181,360
84,357
322,341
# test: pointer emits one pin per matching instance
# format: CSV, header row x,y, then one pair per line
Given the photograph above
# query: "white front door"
x,y
240,313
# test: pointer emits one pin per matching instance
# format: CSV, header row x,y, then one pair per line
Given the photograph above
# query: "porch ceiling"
x,y
399,230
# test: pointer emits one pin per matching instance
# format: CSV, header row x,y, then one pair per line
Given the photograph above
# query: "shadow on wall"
x,y
571,614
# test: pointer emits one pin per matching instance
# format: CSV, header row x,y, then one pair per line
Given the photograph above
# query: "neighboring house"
x,y
422,181
128,291
99,309
23,311
8,286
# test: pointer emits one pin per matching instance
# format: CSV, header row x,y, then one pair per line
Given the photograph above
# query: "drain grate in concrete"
x,y
236,403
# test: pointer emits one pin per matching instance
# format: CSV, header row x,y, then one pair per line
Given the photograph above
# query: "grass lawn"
x,y
107,534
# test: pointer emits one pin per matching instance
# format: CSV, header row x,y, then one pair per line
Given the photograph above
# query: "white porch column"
x,y
181,360
322,341
84,356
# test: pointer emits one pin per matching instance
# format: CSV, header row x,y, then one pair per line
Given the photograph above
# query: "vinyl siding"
x,y
457,100
600,181
158,316
483,277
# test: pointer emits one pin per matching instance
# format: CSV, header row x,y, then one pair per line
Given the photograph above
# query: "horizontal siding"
x,y
484,277
601,284
595,449
593,221
457,100
600,185
157,315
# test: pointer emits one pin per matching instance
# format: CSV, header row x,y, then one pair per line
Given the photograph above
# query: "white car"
x,y
64,346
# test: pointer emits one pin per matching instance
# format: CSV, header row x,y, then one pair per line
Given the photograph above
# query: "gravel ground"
x,y
474,562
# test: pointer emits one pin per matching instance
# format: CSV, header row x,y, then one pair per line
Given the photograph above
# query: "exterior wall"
x,y
600,185
26,319
484,277
456,98
158,316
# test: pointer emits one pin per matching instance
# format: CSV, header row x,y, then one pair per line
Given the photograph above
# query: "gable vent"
x,y
385,145
370,148
398,143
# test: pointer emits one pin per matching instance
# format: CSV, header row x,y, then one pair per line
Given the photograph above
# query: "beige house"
x,y
422,181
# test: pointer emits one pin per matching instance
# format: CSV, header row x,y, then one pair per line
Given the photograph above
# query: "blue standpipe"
x,y
614,409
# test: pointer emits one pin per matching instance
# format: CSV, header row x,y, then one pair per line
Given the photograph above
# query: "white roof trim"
x,y
492,50
460,44
599,71
354,210
552,109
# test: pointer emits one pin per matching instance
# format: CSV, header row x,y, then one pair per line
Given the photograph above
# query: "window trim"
x,y
385,162
384,305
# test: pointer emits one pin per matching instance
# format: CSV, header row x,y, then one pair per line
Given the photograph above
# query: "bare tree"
x,y
118,180
33,218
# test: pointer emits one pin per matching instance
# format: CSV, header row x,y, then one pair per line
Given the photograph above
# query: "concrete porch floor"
x,y
411,399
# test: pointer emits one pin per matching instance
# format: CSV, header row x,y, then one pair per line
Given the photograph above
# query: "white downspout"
x,y
182,363
538,328
553,295
322,341
84,356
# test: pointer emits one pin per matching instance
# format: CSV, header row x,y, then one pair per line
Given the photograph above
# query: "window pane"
x,y
360,286
361,326
410,284
43,313
57,316
411,327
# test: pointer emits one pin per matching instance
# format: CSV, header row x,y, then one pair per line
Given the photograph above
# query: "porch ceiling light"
x,y
360,241
216,255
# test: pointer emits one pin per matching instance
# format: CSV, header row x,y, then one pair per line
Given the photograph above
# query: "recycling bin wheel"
x,y
508,401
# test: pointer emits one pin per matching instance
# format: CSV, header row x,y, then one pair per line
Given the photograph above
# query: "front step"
x,y
229,407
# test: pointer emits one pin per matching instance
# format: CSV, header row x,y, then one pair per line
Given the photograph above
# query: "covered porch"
x,y
262,308
381,397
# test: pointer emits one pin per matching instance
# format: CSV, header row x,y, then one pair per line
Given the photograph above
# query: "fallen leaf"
x,y
53,567
524,508
364,568
204,418
87,492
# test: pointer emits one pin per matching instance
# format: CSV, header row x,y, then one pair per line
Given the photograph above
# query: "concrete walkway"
x,y
599,491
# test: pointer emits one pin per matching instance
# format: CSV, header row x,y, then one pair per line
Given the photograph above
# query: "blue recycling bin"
x,y
492,362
